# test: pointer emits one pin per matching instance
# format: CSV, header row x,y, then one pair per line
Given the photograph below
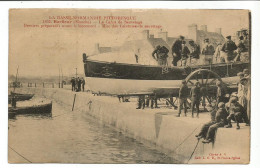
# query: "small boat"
x,y
35,106
19,97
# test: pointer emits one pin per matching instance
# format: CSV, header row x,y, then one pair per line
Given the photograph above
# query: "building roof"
x,y
158,41
214,37
104,49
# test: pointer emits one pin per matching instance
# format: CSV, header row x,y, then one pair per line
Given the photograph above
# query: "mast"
x,y
16,77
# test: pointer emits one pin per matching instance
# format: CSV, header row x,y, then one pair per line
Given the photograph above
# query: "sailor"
x,y
184,53
195,98
154,101
217,55
220,96
220,121
204,129
242,51
194,52
141,102
207,52
229,47
79,85
236,113
73,83
183,95
161,53
83,84
176,50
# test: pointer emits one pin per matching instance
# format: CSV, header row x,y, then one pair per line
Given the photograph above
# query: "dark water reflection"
x,y
75,137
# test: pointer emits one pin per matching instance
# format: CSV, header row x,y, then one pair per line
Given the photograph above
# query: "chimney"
x,y
218,30
151,36
145,34
96,48
192,32
203,27
163,35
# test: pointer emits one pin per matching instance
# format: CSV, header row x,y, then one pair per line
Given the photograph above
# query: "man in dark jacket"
x,y
176,50
73,83
79,85
194,52
183,95
229,47
195,98
220,121
236,113
220,96
161,54
184,53
204,129
83,84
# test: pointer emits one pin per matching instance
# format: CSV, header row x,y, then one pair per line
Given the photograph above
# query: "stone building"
x,y
198,35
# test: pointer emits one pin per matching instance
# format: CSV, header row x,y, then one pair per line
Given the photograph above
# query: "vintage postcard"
x,y
129,86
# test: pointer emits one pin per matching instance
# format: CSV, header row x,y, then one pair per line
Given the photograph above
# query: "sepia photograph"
x,y
129,86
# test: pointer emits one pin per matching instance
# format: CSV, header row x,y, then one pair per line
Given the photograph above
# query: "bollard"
x,y
52,85
42,84
73,102
34,84
28,84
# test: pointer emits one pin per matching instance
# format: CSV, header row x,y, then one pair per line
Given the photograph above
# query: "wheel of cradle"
x,y
207,81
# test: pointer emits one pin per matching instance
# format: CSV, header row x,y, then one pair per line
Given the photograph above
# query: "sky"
x,y
41,51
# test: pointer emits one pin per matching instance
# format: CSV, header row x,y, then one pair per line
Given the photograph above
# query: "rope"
x,y
20,154
194,150
186,138
184,141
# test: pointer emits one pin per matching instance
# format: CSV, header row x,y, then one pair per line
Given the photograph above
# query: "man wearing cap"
x,y
184,53
195,98
241,90
220,92
207,52
236,113
220,121
161,53
242,51
204,129
229,47
73,83
194,52
176,50
183,95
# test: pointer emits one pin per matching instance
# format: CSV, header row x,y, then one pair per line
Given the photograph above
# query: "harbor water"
x,y
73,137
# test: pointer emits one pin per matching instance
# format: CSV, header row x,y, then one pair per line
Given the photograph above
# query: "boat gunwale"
x,y
173,67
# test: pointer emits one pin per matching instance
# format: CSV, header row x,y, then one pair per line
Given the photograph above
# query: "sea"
x,y
67,136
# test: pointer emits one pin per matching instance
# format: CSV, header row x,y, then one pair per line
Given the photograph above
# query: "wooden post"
x,y
42,84
52,85
28,84
35,84
73,102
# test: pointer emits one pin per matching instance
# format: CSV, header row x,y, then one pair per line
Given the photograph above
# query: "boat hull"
x,y
19,97
144,72
120,79
40,109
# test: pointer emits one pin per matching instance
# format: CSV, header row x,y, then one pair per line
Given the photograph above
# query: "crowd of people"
x,y
227,52
77,84
222,113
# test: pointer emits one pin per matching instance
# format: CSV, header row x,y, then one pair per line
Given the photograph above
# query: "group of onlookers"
x,y
207,54
236,109
77,84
